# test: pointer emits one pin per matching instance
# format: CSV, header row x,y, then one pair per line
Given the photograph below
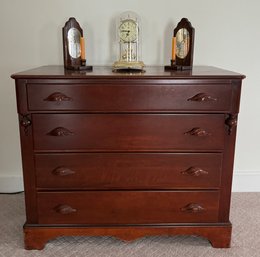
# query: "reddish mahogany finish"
x,y
127,207
98,97
128,170
128,132
127,155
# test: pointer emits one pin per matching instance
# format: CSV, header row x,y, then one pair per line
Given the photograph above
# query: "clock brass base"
x,y
128,66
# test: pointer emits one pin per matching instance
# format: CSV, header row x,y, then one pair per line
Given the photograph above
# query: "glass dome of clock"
x,y
129,41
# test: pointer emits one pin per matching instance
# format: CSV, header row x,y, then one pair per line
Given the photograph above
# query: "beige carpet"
x,y
245,216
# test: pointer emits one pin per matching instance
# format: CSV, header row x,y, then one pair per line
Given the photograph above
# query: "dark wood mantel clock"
x,y
74,46
182,46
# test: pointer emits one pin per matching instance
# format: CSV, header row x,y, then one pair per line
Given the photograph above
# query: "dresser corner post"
x,y
21,95
227,166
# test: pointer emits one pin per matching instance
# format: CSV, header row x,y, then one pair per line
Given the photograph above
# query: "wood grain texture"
x,y
127,207
127,97
153,72
127,155
127,171
219,235
128,132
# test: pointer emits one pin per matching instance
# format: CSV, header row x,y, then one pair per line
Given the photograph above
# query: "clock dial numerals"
x,y
128,31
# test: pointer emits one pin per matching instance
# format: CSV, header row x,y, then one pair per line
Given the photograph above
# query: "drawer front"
x,y
127,171
127,207
109,97
128,132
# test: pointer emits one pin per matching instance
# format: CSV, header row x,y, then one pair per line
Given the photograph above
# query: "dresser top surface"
x,y
58,72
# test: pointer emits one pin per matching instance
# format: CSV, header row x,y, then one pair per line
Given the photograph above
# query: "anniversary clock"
x,y
129,39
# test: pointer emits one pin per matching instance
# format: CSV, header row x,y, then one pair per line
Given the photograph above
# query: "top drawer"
x,y
131,97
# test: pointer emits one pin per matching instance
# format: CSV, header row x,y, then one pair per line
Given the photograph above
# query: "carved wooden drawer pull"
x,y
60,132
57,97
64,209
195,171
198,132
63,171
202,97
193,208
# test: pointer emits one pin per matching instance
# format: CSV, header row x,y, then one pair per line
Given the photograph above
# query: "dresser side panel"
x,y
26,139
229,152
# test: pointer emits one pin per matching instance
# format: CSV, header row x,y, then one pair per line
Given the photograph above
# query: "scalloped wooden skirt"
x,y
35,237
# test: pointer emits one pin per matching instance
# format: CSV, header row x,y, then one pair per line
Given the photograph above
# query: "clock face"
x,y
128,30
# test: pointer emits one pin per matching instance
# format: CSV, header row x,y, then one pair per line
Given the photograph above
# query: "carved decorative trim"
x,y
25,122
231,122
63,171
60,132
57,97
198,132
193,208
195,171
64,209
202,97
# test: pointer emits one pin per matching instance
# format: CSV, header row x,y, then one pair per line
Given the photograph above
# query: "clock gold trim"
x,y
121,65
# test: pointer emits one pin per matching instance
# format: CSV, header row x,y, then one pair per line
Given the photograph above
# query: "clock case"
x,y
127,62
70,62
185,63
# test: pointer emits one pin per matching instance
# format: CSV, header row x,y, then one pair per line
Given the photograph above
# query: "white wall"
x,y
227,36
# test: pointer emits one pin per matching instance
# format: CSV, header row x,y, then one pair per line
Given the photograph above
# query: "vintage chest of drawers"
x,y
127,155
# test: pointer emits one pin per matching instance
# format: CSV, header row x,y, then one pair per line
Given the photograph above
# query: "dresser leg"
x,y
220,240
35,239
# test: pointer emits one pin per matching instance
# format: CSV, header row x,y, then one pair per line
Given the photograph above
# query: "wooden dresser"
x,y
127,155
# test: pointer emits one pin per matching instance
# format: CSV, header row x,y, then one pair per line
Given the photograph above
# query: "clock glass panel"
x,y
182,43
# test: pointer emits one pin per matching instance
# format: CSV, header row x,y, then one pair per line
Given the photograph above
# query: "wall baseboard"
x,y
11,184
242,182
246,181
